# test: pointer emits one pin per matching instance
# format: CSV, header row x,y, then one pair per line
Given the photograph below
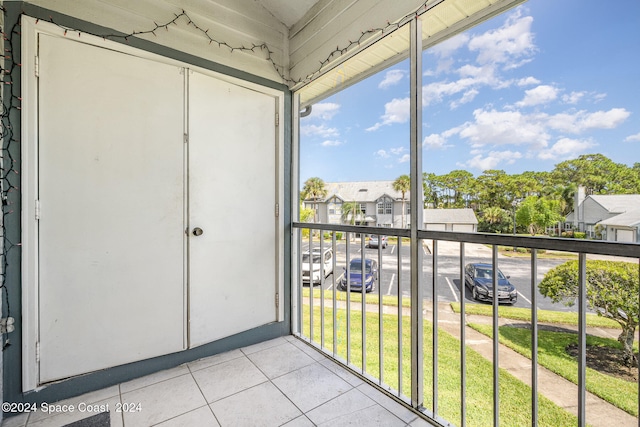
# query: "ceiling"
x,y
287,11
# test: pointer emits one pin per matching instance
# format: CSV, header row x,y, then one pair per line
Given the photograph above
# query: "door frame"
x,y
31,28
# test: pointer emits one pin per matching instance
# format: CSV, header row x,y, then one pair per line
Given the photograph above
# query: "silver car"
x,y
375,241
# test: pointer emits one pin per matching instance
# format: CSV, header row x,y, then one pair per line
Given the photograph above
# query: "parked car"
x,y
325,258
376,240
479,278
356,277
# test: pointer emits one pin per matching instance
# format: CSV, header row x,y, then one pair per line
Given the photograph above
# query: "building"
x,y
464,220
378,204
613,217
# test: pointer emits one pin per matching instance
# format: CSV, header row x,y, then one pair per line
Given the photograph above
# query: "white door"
x,y
232,196
111,192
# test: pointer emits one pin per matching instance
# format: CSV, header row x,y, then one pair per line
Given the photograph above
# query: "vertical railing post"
x,y
380,315
582,337
363,291
399,316
321,291
415,108
534,337
463,342
333,290
311,284
434,320
496,341
348,273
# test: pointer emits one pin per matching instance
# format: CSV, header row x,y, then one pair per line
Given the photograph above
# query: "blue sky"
x,y
542,83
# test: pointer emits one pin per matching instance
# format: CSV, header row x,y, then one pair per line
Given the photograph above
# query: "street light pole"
x,y
514,204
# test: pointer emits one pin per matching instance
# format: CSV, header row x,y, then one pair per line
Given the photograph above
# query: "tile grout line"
x,y
203,396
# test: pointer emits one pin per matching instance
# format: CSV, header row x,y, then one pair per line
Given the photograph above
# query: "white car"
x,y
326,259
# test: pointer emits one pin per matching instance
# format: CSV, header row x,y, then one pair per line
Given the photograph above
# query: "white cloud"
x,y
395,111
467,97
382,154
391,78
580,121
435,142
573,97
449,46
492,160
404,159
324,110
514,40
539,95
633,138
528,81
565,149
397,151
331,143
321,130
502,128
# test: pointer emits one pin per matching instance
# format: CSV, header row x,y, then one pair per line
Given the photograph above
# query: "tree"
x,y
495,220
612,291
430,186
306,214
537,214
403,185
350,212
314,189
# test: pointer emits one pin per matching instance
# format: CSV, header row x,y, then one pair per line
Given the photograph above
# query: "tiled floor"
x,y
281,382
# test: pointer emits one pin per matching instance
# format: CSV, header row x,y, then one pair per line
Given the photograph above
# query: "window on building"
x,y
363,208
385,206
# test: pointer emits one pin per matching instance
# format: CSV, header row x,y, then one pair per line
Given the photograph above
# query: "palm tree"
x,y
350,212
403,185
314,189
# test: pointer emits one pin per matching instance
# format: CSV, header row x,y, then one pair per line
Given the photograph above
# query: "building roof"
x,y
628,219
449,216
363,191
618,203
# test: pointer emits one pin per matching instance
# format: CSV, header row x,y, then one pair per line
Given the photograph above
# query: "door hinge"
x,y
38,352
277,210
36,70
277,119
37,209
277,300
186,138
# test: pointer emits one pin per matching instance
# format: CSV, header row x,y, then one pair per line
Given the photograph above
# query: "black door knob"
x,y
197,231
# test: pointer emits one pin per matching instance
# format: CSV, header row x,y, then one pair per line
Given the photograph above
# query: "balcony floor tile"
x,y
281,382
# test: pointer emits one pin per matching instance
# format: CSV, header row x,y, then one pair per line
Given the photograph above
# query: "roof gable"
x,y
450,216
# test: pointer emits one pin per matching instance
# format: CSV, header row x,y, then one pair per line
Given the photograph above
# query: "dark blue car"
x,y
355,275
479,278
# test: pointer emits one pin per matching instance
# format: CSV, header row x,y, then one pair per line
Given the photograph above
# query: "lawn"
x,y
552,355
515,401
544,316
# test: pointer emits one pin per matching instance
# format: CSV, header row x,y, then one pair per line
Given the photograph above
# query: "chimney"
x,y
578,218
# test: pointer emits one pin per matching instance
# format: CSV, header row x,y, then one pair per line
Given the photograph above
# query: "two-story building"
x,y
378,204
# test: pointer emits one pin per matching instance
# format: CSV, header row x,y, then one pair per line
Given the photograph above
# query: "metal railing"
x,y
340,310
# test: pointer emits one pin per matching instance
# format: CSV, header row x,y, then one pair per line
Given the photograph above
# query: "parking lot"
x,y
448,281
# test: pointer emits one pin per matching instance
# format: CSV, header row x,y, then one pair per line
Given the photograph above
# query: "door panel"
x,y
111,191
232,196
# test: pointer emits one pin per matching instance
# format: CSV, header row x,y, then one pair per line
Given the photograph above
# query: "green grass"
x,y
515,401
544,316
371,298
552,355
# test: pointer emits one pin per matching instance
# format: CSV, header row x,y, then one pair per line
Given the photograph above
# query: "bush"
x,y
579,235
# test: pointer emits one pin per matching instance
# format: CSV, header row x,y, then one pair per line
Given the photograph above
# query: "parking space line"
x,y
393,248
391,283
525,298
452,290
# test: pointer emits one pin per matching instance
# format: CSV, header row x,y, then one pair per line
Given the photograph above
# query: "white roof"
x,y
363,191
449,216
628,219
618,203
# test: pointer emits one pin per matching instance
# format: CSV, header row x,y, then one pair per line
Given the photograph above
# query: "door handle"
x,y
197,231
